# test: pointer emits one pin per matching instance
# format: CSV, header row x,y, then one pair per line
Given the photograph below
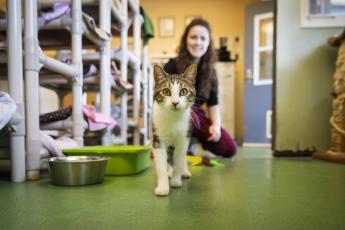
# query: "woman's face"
x,y
198,40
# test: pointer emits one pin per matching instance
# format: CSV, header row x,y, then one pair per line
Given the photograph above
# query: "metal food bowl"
x,y
77,170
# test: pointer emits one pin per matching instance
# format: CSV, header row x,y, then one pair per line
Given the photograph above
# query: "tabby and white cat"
x,y
174,96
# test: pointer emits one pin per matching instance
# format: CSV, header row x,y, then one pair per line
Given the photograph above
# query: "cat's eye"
x,y
183,92
166,92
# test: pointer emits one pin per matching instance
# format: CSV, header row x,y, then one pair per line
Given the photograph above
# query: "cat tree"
x,y
336,152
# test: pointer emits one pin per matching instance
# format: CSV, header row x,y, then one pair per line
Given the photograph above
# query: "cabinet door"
x,y
226,79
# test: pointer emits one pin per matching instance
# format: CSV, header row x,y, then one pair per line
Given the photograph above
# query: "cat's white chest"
x,y
170,125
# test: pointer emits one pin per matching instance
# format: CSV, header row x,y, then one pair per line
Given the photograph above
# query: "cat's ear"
x,y
190,72
158,72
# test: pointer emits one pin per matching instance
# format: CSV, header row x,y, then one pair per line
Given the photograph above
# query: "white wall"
x,y
304,69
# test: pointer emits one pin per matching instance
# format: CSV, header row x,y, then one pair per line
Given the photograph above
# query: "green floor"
x,y
252,192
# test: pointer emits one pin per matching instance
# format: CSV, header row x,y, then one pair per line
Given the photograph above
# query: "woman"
x,y
196,47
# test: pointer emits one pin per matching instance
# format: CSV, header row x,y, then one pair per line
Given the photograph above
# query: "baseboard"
x,y
255,145
290,153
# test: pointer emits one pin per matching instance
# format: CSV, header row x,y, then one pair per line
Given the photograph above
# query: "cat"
x,y
174,96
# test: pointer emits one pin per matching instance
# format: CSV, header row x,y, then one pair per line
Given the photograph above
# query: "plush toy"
x,y
198,160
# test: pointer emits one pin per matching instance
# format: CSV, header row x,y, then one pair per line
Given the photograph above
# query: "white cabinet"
x,y
226,79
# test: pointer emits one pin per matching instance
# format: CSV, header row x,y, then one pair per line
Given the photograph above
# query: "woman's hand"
x,y
214,130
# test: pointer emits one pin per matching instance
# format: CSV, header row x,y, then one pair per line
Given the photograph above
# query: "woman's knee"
x,y
228,148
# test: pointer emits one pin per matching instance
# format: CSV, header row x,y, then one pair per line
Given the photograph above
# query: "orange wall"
x,y
226,18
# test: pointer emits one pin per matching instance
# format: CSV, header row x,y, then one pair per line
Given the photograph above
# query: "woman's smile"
x,y
198,41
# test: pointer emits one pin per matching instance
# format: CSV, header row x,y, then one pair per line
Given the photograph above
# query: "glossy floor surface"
x,y
255,191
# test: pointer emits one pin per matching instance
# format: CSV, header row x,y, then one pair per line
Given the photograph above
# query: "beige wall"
x,y
226,18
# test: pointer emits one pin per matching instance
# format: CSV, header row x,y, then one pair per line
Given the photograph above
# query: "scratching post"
x,y
336,152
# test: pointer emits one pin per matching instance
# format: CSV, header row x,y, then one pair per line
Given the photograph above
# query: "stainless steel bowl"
x,y
77,170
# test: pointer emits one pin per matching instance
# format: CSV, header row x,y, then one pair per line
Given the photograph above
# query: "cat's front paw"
x,y
176,182
162,190
186,174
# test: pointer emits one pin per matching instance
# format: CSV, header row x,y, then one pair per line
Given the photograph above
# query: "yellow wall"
x,y
226,18
3,5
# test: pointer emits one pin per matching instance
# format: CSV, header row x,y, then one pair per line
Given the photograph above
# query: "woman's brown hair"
x,y
206,69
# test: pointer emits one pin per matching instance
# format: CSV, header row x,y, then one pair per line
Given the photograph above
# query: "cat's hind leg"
x,y
179,164
186,173
170,170
161,166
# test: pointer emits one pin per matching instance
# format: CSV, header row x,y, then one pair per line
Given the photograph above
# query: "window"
x,y
322,13
263,48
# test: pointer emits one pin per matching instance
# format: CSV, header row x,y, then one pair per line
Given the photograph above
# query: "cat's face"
x,y
174,92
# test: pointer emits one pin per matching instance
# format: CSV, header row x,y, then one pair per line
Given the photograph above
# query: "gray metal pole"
x,y
124,63
77,32
57,66
32,90
145,94
137,72
105,73
15,80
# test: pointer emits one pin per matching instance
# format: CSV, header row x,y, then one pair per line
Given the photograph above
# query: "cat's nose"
x,y
174,103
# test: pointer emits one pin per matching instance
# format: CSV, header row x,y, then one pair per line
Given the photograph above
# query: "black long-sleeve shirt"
x,y
171,68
